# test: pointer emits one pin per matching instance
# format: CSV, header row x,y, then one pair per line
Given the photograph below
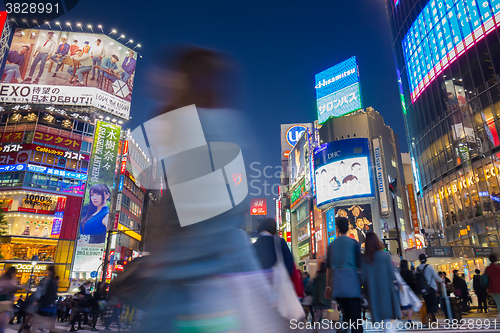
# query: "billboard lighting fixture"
x,y
100,27
138,45
107,118
36,22
122,36
79,25
90,27
24,21
129,41
69,25
14,20
47,23
120,122
112,32
59,24
113,120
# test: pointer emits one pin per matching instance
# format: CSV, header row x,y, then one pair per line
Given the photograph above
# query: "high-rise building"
x,y
60,128
447,56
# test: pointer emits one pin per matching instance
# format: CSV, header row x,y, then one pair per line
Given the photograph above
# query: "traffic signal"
x,y
393,185
122,262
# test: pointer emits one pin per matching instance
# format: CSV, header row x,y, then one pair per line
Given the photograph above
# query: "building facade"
x,y
447,57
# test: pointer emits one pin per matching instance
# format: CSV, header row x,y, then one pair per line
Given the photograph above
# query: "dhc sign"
x,y
293,134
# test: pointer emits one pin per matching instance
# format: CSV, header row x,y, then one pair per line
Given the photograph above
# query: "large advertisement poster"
x,y
60,67
360,221
343,170
95,211
337,90
297,158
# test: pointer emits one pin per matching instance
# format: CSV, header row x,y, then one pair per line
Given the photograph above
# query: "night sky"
x,y
279,45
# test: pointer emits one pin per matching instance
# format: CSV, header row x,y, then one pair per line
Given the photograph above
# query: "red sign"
x,y
413,208
419,243
286,154
12,136
410,243
115,222
119,268
109,272
125,148
34,210
61,204
258,207
311,224
123,167
12,153
57,140
289,236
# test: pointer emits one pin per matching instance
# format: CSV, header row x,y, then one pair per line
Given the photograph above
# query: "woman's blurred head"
x,y
372,245
197,76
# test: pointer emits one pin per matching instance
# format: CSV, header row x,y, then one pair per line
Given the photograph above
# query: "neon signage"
x,y
443,31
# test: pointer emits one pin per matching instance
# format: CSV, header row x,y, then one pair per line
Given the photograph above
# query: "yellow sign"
x,y
24,240
129,232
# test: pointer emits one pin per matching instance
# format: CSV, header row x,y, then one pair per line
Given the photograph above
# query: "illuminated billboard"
x,y
298,160
42,66
443,31
343,170
95,209
337,90
258,207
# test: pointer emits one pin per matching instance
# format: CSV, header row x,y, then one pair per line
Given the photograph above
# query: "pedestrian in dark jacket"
x,y
407,275
98,297
480,291
320,302
46,298
265,246
461,291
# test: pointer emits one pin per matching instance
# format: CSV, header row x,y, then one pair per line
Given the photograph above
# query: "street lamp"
x,y
34,261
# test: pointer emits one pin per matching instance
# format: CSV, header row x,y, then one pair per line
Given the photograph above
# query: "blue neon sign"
x,y
12,167
337,90
443,31
56,172
120,184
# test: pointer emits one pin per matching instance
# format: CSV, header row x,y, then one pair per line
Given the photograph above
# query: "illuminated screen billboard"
x,y
298,159
95,209
42,65
337,90
342,170
443,31
360,221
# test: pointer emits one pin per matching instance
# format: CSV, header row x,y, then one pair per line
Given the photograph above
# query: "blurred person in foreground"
x,y
380,282
98,297
46,297
409,279
343,263
205,275
8,285
320,303
493,272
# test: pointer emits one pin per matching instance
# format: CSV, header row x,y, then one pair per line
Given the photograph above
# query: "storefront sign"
x,y
410,243
57,140
439,251
258,206
58,152
413,208
56,228
304,250
288,236
56,172
12,137
125,148
12,167
123,166
298,193
311,225
379,169
27,268
483,251
11,148
120,183
119,202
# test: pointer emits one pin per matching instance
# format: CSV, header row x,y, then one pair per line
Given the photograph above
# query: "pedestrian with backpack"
x,y
480,291
427,280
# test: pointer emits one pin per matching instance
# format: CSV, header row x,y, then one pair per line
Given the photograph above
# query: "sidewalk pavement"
x,y
64,327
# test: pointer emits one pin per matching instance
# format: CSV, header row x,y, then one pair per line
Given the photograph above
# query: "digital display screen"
x,y
342,170
443,31
337,90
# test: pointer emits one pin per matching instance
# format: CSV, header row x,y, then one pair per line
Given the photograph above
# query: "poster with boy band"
x,y
360,220
68,67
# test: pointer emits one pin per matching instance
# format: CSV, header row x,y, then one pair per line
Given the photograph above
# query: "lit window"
x,y
402,224
400,202
394,163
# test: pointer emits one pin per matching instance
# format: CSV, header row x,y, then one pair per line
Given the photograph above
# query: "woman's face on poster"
x,y
97,199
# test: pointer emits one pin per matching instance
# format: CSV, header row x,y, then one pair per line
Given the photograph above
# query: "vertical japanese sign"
x,y
379,169
311,225
95,211
413,208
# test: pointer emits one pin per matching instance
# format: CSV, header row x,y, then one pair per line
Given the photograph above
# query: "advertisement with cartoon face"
x,y
343,170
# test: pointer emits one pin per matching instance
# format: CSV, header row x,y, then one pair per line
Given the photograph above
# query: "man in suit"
x,y
360,229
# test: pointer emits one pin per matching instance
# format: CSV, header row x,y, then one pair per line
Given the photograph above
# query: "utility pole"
x,y
393,188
